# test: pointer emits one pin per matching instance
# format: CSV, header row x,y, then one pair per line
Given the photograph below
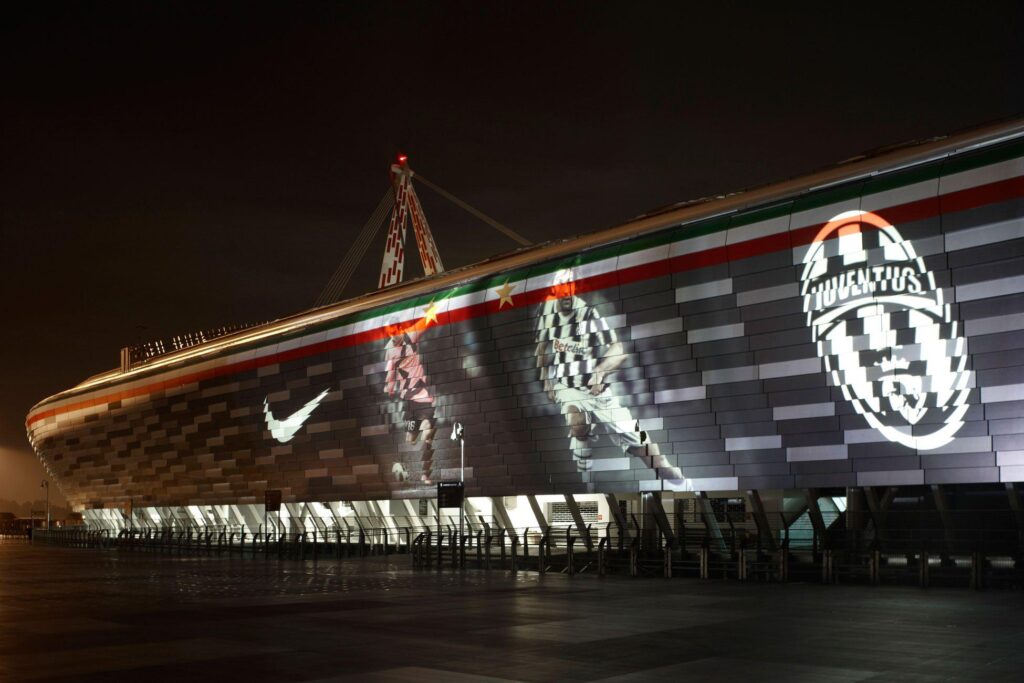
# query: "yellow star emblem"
x,y
430,315
505,292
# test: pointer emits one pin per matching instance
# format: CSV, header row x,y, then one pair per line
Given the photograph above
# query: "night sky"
x,y
167,171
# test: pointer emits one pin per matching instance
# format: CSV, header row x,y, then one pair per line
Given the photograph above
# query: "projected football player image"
x,y
576,353
406,381
885,334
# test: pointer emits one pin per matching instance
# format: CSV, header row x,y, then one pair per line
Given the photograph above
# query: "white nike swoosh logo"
x,y
284,430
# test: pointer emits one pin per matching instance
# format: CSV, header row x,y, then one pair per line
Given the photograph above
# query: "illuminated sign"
x,y
885,334
284,430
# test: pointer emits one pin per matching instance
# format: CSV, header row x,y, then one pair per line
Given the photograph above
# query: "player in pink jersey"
x,y
407,381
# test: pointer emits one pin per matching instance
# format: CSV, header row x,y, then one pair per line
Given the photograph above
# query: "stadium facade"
x,y
860,327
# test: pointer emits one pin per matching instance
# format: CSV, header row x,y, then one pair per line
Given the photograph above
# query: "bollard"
x,y
875,569
634,557
924,569
668,561
526,548
827,567
705,561
977,568
570,555
515,555
602,544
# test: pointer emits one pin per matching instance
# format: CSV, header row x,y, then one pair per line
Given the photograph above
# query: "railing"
x,y
726,546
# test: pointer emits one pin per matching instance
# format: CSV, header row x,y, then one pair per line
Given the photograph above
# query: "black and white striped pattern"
x,y
575,342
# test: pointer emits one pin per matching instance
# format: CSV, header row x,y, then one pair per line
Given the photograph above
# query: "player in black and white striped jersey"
x,y
576,351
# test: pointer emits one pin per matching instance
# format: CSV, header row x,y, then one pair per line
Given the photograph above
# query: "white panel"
x,y
753,443
674,395
711,484
1010,458
714,333
1004,392
789,368
1014,473
610,464
704,290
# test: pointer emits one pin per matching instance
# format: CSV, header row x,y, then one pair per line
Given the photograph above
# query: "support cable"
x,y
508,232
354,255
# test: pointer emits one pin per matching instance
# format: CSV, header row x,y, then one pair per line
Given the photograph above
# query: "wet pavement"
x,y
69,614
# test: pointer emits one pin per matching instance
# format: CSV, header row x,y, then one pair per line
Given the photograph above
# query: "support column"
x,y
814,512
542,521
413,514
577,517
500,513
616,512
652,501
878,506
1015,505
942,505
764,529
710,522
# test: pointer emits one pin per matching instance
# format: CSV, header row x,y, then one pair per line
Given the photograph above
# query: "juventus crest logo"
x,y
883,331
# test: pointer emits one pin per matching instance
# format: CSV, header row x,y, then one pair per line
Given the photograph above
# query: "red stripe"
x,y
960,200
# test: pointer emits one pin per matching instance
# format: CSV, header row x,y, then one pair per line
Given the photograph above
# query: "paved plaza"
x,y
93,615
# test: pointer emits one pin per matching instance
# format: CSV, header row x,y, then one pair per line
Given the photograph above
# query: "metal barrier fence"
x,y
724,545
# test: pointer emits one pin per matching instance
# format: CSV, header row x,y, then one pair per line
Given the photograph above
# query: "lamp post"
x,y
46,485
457,433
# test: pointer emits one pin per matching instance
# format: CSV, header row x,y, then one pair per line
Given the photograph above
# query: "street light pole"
x,y
462,479
46,485
457,433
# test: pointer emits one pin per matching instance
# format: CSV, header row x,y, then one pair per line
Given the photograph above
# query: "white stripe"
x,y
704,290
757,230
982,176
900,195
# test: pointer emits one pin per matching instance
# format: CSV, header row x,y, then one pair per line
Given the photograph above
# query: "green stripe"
x,y
846,191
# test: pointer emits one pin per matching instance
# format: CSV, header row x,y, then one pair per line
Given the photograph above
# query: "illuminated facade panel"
x,y
864,334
